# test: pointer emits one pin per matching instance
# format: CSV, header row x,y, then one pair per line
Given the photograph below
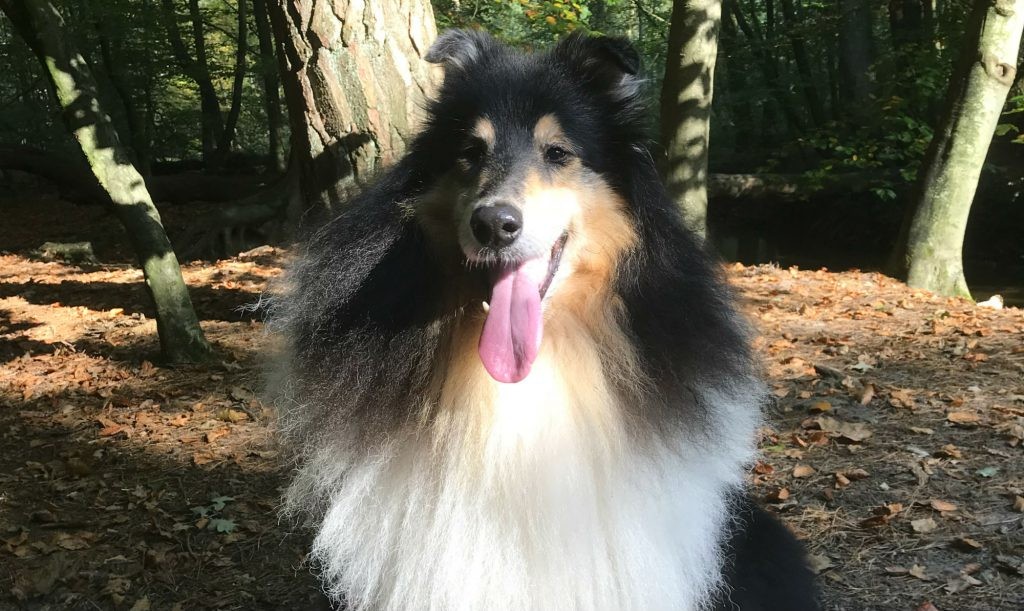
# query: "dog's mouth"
x,y
512,331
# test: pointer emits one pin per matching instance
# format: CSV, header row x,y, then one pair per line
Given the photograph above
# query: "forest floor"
x,y
895,447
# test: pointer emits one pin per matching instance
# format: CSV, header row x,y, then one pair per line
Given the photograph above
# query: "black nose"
x,y
496,226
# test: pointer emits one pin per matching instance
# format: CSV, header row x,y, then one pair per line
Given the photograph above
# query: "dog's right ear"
x,y
458,48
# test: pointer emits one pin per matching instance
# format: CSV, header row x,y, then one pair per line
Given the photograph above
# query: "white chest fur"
x,y
533,496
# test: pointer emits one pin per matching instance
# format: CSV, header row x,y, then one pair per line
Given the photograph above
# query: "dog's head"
x,y
529,199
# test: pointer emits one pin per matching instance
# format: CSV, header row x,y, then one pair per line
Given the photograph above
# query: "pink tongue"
x,y
512,331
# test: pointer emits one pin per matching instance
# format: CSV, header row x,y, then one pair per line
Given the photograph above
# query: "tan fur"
x,y
548,131
484,130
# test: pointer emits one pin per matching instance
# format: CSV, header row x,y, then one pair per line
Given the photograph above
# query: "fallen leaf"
x,y
852,431
924,525
214,435
867,394
963,418
71,542
922,430
1018,504
951,451
232,415
939,505
987,471
819,407
901,398
882,515
141,604
179,419
960,583
968,544
918,571
800,471
819,563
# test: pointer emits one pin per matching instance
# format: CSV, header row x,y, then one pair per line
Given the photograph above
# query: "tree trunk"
x,y
949,175
855,55
803,64
110,53
271,85
906,21
769,66
212,123
686,105
241,50
43,27
198,71
355,80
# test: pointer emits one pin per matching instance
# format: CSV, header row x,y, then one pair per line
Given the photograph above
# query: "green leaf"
x,y
987,471
218,502
1004,128
221,525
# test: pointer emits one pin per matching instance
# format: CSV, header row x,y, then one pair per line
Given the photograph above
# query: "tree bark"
x,y
43,27
686,105
949,174
355,80
271,85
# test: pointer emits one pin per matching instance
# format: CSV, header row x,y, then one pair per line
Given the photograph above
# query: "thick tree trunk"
x,y
686,105
181,338
241,50
271,85
856,53
952,166
355,80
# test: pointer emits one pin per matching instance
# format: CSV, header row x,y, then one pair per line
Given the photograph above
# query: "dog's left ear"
x,y
459,49
609,62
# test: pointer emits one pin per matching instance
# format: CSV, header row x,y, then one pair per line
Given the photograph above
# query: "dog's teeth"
x,y
486,306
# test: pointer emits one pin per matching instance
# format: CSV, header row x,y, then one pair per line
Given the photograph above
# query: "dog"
x,y
512,379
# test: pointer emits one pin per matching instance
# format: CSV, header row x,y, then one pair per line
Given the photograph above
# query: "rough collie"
x,y
513,380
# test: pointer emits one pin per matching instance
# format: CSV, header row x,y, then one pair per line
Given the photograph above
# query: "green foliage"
x,y
211,517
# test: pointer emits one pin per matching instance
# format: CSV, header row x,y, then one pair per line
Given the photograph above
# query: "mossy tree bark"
x,y
42,26
355,79
686,105
949,175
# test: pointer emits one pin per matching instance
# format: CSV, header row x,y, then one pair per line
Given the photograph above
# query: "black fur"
x,y
764,567
365,318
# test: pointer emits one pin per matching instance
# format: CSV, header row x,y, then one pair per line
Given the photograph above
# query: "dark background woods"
x,y
831,105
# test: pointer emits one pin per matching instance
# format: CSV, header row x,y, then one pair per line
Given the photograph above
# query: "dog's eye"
x,y
473,153
556,154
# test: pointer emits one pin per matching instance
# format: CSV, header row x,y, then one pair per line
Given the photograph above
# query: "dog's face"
x,y
526,200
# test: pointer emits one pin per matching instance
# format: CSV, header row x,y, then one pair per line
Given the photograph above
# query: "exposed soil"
x,y
895,447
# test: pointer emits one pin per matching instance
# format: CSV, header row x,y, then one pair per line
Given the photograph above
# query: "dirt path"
x,y
896,446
